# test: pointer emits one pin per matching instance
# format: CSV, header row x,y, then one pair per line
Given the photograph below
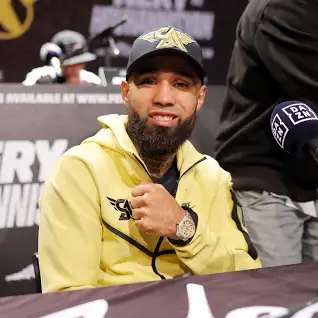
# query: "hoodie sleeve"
x,y
70,229
220,244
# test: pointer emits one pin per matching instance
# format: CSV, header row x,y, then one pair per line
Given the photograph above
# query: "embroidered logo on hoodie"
x,y
123,206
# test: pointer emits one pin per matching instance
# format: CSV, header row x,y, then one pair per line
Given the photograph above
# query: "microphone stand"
x,y
111,49
108,42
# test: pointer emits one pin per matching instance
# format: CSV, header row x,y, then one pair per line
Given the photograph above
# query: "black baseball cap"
x,y
73,46
166,40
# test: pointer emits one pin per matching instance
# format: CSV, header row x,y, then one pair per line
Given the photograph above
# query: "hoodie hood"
x,y
113,135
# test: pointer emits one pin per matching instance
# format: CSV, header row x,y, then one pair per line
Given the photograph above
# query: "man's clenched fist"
x,y
155,210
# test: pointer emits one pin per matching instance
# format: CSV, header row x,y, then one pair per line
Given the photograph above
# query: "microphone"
x,y
50,53
294,126
109,30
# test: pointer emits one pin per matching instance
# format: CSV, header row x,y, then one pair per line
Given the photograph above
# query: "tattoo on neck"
x,y
158,166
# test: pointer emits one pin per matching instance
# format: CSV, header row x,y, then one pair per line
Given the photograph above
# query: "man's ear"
x,y
125,92
201,97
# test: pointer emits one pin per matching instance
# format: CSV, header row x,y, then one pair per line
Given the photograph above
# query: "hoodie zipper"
x,y
143,165
155,254
175,191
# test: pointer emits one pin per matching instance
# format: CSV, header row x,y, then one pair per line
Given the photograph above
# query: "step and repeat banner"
x,y
37,125
22,30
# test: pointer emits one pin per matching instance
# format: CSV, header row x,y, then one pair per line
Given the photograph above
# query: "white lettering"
x,y
257,311
280,132
299,115
144,4
198,307
308,312
1,98
198,303
294,109
99,98
18,205
199,24
33,217
5,192
33,98
18,202
47,156
17,158
93,309
197,3
301,108
306,113
68,98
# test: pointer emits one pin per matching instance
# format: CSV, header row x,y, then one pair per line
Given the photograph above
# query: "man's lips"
x,y
163,118
163,115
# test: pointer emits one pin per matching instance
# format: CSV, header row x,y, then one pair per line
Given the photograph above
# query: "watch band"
x,y
178,236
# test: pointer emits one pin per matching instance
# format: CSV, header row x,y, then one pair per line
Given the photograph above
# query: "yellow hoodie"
x,y
87,238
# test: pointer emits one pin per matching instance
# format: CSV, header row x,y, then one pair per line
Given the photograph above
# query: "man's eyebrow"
x,y
153,70
145,70
186,74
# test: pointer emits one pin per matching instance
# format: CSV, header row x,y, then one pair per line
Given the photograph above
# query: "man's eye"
x,y
148,81
181,84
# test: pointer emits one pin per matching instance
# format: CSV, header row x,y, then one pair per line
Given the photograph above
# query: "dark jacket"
x,y
275,58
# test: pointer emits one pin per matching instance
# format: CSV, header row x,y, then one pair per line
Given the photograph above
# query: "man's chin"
x,y
169,128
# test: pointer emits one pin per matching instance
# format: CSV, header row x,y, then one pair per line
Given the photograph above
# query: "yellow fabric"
x,y
77,249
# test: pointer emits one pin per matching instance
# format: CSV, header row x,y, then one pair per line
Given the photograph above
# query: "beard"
x,y
157,141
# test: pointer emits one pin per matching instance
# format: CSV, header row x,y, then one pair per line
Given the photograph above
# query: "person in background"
x,y
65,58
137,202
275,59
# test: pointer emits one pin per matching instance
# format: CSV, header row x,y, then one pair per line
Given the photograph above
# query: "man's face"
x,y
163,96
72,73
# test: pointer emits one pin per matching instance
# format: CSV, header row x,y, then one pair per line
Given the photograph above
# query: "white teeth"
x,y
163,117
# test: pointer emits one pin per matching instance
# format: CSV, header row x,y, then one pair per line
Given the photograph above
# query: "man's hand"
x,y
155,210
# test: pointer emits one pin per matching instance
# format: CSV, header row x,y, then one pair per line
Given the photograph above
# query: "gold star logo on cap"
x,y
168,37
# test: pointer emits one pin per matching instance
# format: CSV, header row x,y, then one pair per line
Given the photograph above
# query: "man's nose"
x,y
164,95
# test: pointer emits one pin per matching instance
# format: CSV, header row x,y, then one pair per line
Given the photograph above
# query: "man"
x,y
65,57
137,202
275,59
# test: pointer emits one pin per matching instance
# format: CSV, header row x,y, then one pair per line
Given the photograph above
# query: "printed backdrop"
x,y
26,24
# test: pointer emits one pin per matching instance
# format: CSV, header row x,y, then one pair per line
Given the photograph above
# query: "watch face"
x,y
187,229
